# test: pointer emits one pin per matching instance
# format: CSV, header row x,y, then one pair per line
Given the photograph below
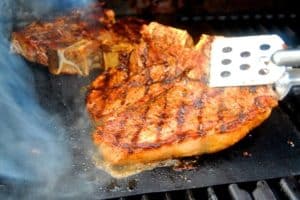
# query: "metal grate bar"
x,y
289,187
145,197
189,195
211,194
284,188
237,193
167,196
263,191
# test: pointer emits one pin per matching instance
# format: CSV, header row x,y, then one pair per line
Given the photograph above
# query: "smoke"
x,y
33,143
41,8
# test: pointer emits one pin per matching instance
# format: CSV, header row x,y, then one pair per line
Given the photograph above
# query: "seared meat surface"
x,y
156,104
77,43
153,102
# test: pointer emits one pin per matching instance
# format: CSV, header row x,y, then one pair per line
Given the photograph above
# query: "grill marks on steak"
x,y
162,107
59,33
77,43
153,102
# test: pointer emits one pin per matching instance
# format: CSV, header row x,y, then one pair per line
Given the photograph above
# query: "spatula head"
x,y
244,61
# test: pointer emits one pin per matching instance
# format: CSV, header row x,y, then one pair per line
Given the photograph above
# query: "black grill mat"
x,y
274,147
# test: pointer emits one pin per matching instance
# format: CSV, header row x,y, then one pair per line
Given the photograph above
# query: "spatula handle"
x,y
291,78
287,57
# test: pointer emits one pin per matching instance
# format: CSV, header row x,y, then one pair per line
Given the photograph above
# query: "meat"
x,y
156,105
153,102
77,43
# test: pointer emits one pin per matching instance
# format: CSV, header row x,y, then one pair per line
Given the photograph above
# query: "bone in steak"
x,y
156,105
77,43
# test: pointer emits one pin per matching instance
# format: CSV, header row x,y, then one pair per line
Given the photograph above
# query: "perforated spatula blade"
x,y
249,60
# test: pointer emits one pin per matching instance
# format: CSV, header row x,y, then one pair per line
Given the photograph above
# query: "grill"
x,y
284,188
265,165
274,189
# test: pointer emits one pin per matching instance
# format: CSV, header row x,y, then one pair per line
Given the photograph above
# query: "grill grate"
x,y
276,189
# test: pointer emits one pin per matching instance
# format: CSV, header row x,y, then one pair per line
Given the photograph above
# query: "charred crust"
x,y
129,28
123,95
180,116
204,79
162,119
148,145
135,138
242,116
181,137
259,102
124,61
200,130
221,109
105,47
122,124
198,103
215,92
223,128
252,89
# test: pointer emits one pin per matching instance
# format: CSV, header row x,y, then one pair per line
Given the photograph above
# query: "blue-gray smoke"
x,y
42,7
33,146
31,141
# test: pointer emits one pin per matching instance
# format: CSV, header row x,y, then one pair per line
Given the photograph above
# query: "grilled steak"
x,y
157,105
77,43
153,102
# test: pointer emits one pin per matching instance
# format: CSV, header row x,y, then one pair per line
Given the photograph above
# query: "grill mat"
x,y
274,147
270,145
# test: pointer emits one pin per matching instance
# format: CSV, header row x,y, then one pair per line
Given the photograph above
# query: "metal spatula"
x,y
254,60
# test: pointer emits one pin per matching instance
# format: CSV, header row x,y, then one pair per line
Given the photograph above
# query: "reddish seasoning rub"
x,y
168,110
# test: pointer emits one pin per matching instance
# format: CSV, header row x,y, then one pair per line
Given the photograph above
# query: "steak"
x,y
77,43
156,105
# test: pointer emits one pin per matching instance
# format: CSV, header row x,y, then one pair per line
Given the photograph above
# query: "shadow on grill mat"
x,y
270,151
